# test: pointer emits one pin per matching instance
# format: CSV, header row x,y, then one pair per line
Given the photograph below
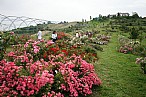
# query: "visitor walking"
x,y
39,35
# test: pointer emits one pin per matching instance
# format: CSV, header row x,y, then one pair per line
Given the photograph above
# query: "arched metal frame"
x,y
14,19
5,17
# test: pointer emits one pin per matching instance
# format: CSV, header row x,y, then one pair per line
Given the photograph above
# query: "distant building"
x,y
123,14
119,14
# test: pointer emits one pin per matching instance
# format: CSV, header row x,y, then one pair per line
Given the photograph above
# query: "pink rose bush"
x,y
15,84
126,49
126,45
42,69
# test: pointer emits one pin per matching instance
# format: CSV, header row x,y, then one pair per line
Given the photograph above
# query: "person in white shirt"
x,y
39,35
77,34
54,36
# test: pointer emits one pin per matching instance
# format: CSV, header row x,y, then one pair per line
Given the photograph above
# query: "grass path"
x,y
120,76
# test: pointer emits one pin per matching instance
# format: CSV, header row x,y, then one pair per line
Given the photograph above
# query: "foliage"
x,y
8,39
142,62
135,15
123,28
140,50
97,47
134,34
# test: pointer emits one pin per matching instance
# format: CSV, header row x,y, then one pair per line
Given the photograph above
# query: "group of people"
x,y
54,35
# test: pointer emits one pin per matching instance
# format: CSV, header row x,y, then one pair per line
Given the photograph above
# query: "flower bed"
x,y
40,68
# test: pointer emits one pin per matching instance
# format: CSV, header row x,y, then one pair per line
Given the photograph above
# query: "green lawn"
x,y
120,76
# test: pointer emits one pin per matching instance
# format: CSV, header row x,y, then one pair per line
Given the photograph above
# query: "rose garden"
x,y
92,65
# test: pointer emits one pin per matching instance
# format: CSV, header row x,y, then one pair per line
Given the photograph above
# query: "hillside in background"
x,y
62,25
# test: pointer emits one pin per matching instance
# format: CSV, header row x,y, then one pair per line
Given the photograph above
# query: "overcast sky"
x,y
70,10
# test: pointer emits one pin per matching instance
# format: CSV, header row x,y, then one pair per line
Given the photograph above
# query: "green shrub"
x,y
140,50
89,49
97,47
